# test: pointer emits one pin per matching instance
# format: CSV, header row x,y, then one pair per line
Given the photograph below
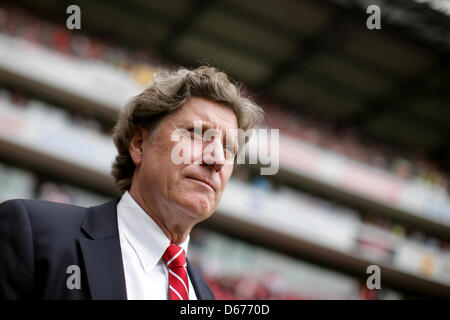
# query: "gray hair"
x,y
170,90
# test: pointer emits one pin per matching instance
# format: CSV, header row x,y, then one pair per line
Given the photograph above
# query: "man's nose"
x,y
213,155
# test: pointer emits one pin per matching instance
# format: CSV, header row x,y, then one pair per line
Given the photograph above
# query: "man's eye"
x,y
229,148
195,132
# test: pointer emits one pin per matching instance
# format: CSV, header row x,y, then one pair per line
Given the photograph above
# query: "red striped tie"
x,y
178,278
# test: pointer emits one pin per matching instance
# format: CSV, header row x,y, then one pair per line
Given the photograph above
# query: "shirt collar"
x,y
142,232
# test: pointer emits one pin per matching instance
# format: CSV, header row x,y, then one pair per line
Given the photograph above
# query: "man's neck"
x,y
175,231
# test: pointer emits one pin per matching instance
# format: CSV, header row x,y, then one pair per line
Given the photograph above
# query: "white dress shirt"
x,y
143,243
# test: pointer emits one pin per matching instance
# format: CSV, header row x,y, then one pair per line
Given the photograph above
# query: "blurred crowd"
x,y
141,64
18,23
249,288
348,141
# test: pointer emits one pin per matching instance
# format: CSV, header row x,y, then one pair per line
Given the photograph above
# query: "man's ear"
x,y
136,147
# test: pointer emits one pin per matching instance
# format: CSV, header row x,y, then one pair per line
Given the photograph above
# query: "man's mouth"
x,y
204,182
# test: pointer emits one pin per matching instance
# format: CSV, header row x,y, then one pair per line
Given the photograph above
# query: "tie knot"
x,y
174,256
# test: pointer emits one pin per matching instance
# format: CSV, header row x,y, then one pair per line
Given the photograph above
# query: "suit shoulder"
x,y
42,206
40,211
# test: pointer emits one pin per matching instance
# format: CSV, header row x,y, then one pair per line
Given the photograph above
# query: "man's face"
x,y
192,190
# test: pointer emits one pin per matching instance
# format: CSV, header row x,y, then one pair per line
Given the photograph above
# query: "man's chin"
x,y
199,206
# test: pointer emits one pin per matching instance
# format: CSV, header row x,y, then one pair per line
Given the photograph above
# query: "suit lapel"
x,y
102,254
202,290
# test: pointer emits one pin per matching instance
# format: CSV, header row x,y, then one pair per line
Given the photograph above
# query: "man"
x,y
135,247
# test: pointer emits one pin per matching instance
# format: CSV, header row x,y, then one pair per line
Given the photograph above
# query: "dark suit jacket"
x,y
39,240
